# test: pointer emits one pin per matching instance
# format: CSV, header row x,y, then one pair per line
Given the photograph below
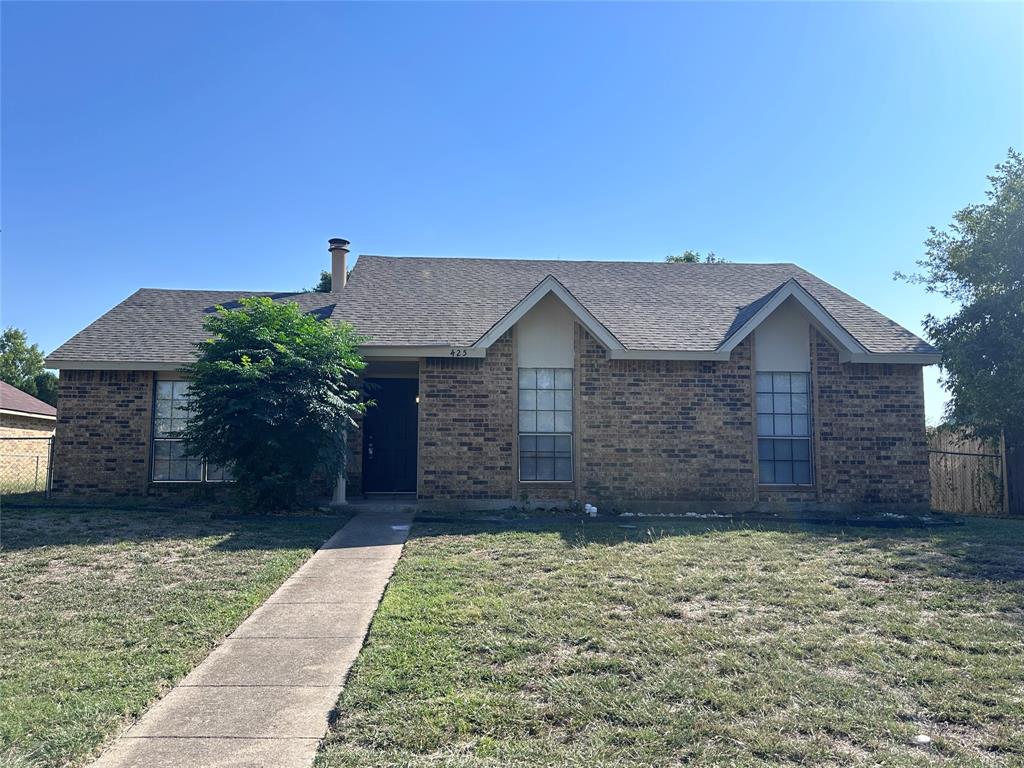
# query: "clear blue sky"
x,y
219,145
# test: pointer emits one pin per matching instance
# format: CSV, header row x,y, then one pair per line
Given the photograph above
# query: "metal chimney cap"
x,y
337,242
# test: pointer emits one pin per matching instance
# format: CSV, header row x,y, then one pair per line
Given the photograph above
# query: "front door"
x,y
389,436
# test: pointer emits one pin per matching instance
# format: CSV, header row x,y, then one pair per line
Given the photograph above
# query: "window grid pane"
x,y
170,418
783,428
545,424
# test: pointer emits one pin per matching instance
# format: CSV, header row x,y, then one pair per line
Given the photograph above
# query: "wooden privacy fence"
x,y
968,475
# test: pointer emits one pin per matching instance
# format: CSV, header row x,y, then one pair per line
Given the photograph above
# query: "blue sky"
x,y
219,145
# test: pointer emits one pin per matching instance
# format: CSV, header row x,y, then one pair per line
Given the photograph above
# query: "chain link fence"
x,y
25,464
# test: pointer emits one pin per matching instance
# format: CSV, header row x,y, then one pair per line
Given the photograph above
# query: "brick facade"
x,y
871,442
664,429
466,418
646,432
103,428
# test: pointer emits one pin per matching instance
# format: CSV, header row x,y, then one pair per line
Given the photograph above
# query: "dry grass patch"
x,y
583,644
102,610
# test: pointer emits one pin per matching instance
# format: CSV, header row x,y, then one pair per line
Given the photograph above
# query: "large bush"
x,y
273,393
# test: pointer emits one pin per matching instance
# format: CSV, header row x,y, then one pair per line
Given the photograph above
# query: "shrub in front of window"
x,y
171,462
268,402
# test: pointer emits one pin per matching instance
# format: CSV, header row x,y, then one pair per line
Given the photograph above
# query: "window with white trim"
x,y
170,416
545,424
784,428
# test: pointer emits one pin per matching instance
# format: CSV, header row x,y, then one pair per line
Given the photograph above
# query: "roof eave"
x,y
893,358
28,414
667,354
113,365
550,284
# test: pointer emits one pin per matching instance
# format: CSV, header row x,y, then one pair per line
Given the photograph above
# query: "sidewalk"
x,y
262,698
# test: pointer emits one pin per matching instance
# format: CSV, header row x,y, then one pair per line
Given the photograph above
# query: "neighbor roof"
x,y
14,400
418,302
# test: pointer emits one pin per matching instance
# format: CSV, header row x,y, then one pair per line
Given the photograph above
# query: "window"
x,y
783,428
545,424
170,415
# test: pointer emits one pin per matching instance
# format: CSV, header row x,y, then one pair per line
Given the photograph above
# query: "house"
x,y
26,426
624,384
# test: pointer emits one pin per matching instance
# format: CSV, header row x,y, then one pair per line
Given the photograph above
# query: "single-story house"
x,y
496,381
26,426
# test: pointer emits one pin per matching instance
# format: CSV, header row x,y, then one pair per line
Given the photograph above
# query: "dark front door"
x,y
389,436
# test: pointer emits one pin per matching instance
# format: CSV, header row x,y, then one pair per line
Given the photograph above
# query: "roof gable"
x,y
548,285
774,299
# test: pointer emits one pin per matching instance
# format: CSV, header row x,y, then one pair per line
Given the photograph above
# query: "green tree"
x,y
694,257
324,286
21,366
978,262
273,393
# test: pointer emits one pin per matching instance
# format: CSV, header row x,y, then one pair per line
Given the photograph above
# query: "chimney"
x,y
339,264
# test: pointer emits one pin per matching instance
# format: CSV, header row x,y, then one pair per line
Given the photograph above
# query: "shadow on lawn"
x,y
41,526
980,549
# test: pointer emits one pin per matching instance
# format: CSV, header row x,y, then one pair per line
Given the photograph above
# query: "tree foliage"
x,y
324,286
21,366
978,262
273,393
694,257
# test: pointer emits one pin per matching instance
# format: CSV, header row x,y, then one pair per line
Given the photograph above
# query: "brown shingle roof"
x,y
13,399
410,301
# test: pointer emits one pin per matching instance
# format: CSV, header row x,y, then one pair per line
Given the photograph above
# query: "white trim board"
x,y
27,414
822,319
550,285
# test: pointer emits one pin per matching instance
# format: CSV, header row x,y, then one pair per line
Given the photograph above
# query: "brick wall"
x,y
25,426
664,429
466,422
872,446
646,430
24,461
103,428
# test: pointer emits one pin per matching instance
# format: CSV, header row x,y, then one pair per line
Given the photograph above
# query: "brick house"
x,y
26,426
624,384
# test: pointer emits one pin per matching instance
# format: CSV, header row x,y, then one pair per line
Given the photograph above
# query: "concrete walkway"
x,y
262,698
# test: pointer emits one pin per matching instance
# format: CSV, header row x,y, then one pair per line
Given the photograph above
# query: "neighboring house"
x,y
24,460
22,415
624,384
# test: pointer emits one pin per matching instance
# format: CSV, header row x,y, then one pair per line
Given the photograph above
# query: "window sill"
x,y
774,487
191,482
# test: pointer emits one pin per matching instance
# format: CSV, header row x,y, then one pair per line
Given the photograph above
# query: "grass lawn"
x,y
101,610
589,644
